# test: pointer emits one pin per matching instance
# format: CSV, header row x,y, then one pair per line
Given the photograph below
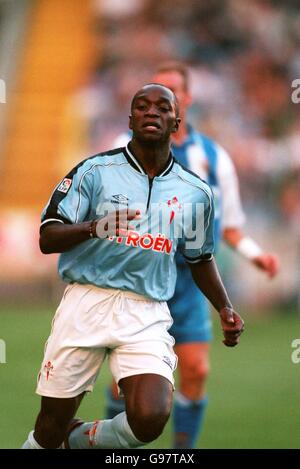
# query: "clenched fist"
x,y
232,325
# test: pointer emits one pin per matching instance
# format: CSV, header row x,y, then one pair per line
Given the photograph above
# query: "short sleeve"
x,y
71,200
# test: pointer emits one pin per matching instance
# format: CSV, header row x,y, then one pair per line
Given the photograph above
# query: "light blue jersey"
x,y
144,261
207,159
200,154
188,306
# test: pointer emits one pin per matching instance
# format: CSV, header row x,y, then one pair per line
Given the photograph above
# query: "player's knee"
x,y
50,430
196,372
148,425
54,418
202,372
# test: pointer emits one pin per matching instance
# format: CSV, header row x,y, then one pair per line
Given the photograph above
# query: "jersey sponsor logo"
x,y
119,199
158,243
65,185
48,369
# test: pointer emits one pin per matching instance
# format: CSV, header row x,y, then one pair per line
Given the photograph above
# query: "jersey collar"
x,y
132,160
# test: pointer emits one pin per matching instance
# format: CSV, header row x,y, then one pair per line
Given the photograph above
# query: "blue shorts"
x,y
190,310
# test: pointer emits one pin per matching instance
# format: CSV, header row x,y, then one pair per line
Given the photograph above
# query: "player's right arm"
x,y
70,216
66,220
58,237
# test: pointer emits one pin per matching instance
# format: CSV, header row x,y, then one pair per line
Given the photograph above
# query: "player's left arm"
x,y
207,278
199,256
233,218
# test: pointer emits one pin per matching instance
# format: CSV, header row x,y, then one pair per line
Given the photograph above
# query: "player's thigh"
x,y
147,395
67,372
155,357
76,346
144,343
62,410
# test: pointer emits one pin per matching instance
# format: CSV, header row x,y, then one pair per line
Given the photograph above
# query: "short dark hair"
x,y
179,67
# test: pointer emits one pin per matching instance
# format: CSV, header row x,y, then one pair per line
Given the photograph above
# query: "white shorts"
x,y
93,322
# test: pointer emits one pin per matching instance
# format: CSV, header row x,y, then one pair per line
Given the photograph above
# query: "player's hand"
x,y
269,263
116,223
232,325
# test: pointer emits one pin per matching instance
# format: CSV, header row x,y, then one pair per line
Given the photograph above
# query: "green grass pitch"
x,y
253,389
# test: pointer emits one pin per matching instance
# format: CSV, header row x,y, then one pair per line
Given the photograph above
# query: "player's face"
x,y
153,114
175,81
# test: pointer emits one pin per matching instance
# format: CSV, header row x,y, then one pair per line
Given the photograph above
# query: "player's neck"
x,y
152,159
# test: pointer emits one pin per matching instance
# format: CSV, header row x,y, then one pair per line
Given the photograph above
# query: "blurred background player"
x,y
190,310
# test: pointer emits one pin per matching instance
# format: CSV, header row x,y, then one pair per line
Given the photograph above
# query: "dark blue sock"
x,y
188,419
113,406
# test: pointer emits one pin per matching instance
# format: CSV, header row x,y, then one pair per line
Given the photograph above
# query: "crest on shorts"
x,y
48,369
65,185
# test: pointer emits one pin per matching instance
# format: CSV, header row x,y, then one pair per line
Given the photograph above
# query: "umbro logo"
x,y
119,199
168,361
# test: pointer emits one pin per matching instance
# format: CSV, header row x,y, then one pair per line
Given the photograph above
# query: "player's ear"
x,y
176,125
130,121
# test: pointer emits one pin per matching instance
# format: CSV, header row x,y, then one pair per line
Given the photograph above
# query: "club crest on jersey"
x,y
175,206
65,185
119,199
